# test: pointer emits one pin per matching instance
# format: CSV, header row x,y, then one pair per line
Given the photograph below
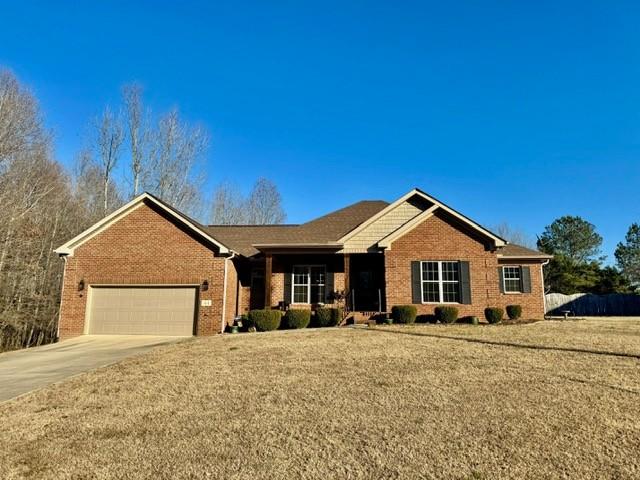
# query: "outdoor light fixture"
x,y
81,285
205,286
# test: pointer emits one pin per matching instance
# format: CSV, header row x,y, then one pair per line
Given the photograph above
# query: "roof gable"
x,y
98,227
407,227
366,238
431,202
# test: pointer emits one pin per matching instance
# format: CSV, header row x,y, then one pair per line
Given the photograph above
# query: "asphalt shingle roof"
x,y
326,229
513,250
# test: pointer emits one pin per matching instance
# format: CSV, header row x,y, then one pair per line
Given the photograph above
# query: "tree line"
x,y
128,149
578,264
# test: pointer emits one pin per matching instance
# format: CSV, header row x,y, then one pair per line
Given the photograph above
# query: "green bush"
x,y
493,314
471,320
265,320
426,318
446,314
514,312
297,318
404,313
328,317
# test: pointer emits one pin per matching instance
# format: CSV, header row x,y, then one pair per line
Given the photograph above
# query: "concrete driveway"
x,y
25,370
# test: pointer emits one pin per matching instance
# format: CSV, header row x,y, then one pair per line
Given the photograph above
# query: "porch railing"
x,y
350,301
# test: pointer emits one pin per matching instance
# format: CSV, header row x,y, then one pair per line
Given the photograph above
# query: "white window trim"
x,y
308,284
440,282
504,280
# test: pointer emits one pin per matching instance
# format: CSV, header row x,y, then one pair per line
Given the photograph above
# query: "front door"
x,y
367,282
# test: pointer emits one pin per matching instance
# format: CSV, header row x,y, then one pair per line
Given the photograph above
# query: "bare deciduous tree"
x,y
38,212
20,123
229,207
109,138
89,187
138,129
264,205
174,173
514,235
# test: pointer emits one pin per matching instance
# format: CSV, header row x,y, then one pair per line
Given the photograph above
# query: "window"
x,y
308,283
440,282
512,279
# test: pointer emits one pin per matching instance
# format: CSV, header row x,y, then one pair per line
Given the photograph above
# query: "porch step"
x,y
360,318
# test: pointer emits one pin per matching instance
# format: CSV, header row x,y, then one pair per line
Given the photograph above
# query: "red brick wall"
x,y
144,247
443,238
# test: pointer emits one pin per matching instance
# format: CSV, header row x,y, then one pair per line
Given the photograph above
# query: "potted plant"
x,y
337,298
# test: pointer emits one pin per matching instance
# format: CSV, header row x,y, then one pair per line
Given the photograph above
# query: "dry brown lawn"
x,y
535,401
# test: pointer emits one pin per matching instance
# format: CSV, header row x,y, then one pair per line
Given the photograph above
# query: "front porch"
x,y
354,282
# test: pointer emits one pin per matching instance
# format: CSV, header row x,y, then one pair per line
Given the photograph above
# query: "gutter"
x,y
525,257
64,274
261,246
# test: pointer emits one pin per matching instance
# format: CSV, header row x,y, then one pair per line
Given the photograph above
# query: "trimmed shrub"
x,y
404,313
514,312
446,314
264,320
328,317
297,318
493,314
426,318
471,320
322,318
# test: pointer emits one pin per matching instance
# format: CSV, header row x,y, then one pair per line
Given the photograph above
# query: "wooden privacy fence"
x,y
588,304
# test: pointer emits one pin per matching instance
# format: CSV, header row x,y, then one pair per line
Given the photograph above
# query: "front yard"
x,y
543,400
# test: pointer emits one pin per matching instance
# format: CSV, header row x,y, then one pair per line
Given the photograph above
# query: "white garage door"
x,y
142,310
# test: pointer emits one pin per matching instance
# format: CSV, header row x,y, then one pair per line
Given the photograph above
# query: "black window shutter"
x,y
287,285
501,278
329,287
416,283
525,275
465,283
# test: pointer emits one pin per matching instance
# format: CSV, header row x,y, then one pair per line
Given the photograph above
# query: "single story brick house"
x,y
149,269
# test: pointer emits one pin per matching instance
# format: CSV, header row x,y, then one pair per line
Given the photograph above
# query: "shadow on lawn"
x,y
509,344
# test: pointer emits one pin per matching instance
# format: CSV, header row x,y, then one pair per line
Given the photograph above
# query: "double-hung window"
x,y
512,278
308,283
440,282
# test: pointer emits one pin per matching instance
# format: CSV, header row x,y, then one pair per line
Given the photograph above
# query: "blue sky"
x,y
508,111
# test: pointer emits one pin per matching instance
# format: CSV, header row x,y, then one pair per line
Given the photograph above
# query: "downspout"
x,y
544,296
224,292
64,273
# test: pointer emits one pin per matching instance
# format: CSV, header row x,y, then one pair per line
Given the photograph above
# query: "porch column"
x,y
268,268
347,272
